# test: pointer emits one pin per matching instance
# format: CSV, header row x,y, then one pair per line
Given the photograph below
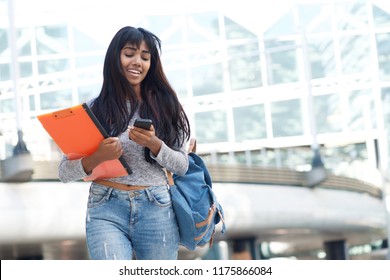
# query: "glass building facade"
x,y
255,95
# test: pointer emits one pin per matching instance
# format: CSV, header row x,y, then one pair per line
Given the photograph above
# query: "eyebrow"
x,y
134,49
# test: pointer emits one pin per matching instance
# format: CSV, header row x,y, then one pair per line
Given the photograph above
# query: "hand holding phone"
x,y
145,138
143,123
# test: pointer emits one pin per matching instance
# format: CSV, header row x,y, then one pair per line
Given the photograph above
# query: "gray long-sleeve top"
x,y
144,173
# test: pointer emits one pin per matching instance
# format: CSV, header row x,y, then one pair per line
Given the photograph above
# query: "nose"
x,y
137,60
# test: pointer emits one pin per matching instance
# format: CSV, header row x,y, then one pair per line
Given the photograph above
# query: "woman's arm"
x,y
73,170
174,161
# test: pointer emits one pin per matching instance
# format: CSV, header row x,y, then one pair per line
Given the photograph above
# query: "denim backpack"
x,y
195,204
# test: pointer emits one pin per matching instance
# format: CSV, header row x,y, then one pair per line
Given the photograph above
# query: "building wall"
x,y
259,91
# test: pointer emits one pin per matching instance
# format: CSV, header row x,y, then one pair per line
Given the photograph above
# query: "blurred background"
x,y
289,101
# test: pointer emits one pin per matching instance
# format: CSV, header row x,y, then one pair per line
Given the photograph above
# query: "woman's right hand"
x,y
110,148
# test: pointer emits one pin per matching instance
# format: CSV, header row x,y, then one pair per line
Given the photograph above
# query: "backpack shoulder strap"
x,y
192,146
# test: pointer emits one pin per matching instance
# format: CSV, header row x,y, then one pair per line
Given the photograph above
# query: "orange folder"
x,y
78,133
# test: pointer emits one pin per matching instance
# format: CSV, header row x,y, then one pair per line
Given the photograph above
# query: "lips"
x,y
133,71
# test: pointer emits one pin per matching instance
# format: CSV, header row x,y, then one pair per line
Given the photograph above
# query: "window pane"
x,y
86,93
207,79
5,72
83,42
167,28
56,99
285,26
31,102
51,39
178,80
386,116
264,157
203,27
281,62
88,61
24,37
351,16
25,69
381,18
3,41
327,113
236,31
249,122
240,158
383,47
286,118
316,18
336,157
211,127
52,66
223,158
293,158
244,66
359,110
355,54
322,58
7,106
386,107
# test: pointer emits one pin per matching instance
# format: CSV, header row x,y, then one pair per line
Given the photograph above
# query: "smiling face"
x,y
135,64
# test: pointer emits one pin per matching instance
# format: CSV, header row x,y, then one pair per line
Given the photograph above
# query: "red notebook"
x,y
78,133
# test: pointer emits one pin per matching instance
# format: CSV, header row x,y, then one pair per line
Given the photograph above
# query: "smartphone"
x,y
143,123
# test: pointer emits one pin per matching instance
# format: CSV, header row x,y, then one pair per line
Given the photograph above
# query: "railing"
x,y
288,177
47,171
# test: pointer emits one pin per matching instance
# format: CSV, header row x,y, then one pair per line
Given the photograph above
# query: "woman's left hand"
x,y
145,138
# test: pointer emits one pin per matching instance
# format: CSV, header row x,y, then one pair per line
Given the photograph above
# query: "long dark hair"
x,y
159,100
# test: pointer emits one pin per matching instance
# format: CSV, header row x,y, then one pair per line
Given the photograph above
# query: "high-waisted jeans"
x,y
124,224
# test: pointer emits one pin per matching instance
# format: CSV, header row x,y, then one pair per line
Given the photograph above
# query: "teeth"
x,y
134,71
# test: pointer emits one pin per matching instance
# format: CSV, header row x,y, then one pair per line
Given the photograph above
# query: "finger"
x,y
137,129
111,140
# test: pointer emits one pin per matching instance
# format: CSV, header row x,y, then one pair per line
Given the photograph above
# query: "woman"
x,y
132,216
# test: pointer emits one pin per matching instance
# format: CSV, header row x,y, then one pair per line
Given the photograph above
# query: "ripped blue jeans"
x,y
126,224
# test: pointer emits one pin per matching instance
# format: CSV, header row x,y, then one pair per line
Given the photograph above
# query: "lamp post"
x,y
317,174
19,167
